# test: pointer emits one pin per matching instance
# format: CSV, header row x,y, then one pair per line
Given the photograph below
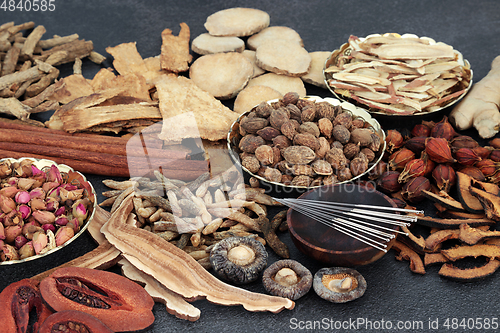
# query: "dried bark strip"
x,y
478,250
434,258
433,242
405,253
471,236
470,274
452,223
76,49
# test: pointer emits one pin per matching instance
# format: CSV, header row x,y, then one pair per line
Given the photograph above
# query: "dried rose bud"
x,y
38,204
412,190
388,182
488,167
25,184
5,169
438,150
11,232
69,187
473,172
9,253
48,186
420,130
63,235
7,204
62,220
52,204
80,212
35,171
22,197
60,211
25,211
412,169
74,224
48,226
416,144
9,191
40,241
466,156
398,159
44,216
394,140
2,232
54,175
54,193
444,129
20,241
27,250
12,181
445,177
37,193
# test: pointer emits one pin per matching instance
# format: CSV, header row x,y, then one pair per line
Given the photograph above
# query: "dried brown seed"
x,y
273,175
308,113
263,110
332,179
288,129
302,103
337,144
351,150
322,167
370,154
281,142
336,158
268,133
290,98
301,169
341,134
325,127
252,125
363,136
309,127
302,180
358,165
344,119
344,174
278,118
251,163
294,112
324,147
326,110
358,123
298,155
306,139
265,154
250,142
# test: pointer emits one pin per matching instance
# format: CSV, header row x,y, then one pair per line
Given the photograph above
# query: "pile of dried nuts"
x,y
40,210
300,142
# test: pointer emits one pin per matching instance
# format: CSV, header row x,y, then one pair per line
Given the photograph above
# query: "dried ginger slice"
x,y
237,22
281,83
252,96
283,57
315,75
222,75
180,95
175,55
208,44
274,33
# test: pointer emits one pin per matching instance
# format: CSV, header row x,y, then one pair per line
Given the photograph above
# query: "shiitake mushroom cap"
x,y
294,291
356,291
233,272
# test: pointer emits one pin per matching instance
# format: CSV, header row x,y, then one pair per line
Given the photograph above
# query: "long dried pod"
x,y
177,270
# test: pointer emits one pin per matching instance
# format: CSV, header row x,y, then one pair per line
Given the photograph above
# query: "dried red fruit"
x,y
412,190
67,321
443,129
438,150
482,152
398,160
495,143
420,130
377,170
466,156
17,300
388,182
429,164
118,302
473,172
463,141
412,169
495,155
445,177
488,167
394,140
416,144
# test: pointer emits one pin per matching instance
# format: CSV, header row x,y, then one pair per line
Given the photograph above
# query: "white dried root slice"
x,y
283,57
174,303
413,51
254,95
280,83
272,34
237,22
208,44
222,75
250,55
315,74
177,270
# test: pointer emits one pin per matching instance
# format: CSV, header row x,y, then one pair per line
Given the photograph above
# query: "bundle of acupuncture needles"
x,y
356,220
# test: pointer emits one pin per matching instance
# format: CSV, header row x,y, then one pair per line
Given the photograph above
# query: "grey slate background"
x,y
394,293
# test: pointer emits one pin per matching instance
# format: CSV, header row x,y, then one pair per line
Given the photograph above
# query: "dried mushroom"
x,y
287,278
339,284
239,259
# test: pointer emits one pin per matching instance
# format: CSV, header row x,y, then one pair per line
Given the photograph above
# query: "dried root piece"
x,y
490,203
254,95
434,258
470,274
208,44
283,57
471,236
405,253
272,239
460,252
280,83
452,223
237,22
315,74
433,242
175,55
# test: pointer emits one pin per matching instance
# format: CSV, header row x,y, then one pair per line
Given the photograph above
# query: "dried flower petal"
x,y
22,197
25,211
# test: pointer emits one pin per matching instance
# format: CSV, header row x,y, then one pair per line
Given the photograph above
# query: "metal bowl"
x,y
69,176
346,49
234,136
330,246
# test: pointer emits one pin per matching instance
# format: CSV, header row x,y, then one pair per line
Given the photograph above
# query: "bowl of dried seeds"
x,y
398,75
44,207
306,142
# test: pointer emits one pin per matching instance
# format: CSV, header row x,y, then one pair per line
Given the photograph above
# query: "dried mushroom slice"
x,y
237,22
281,83
222,75
238,259
208,44
315,75
272,34
283,57
252,96
339,284
287,278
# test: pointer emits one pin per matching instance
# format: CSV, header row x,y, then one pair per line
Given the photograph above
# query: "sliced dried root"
x,y
405,253
470,274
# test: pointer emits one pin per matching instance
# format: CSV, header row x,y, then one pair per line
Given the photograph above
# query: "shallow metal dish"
x,y
346,49
234,136
71,176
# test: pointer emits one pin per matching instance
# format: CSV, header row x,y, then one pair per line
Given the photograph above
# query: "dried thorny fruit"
x,y
466,156
398,159
388,182
445,177
438,150
394,140
412,190
412,169
443,129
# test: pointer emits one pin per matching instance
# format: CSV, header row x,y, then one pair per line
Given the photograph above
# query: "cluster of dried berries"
x,y
303,142
39,209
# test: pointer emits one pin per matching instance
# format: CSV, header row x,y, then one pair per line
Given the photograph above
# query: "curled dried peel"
x,y
178,271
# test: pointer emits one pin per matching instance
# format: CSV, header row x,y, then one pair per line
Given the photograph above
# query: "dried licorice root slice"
x,y
17,300
119,303
72,320
469,274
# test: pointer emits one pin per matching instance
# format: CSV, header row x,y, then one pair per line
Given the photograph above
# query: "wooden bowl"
x,y
328,245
